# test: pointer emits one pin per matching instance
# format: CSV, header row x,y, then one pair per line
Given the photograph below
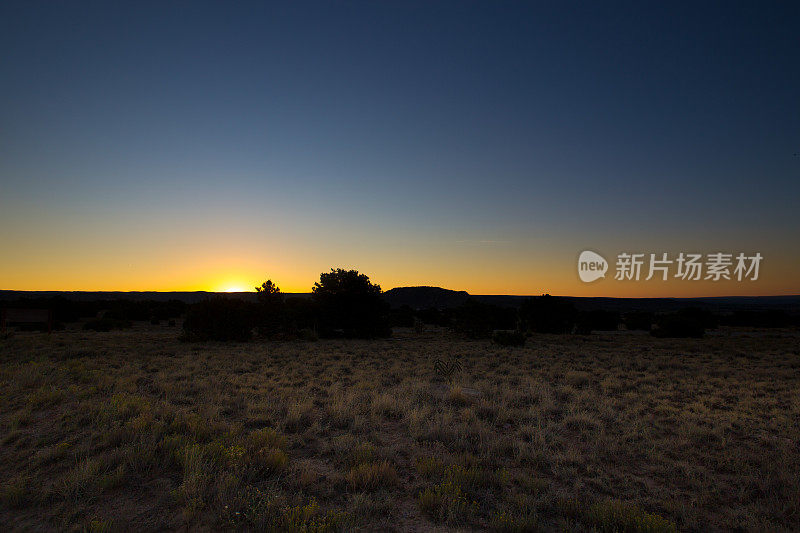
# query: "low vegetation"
x,y
133,429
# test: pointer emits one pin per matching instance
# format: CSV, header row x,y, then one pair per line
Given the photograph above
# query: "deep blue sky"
x,y
443,143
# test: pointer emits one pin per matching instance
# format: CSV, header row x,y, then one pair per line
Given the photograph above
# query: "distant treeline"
x,y
344,303
550,314
118,311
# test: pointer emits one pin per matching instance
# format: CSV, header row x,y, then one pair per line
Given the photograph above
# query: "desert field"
x,y
134,430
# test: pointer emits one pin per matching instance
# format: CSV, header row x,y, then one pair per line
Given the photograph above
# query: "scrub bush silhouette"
x,y
349,305
402,317
433,317
219,319
477,320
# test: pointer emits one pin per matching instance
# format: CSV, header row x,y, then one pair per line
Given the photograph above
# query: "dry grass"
x,y
135,430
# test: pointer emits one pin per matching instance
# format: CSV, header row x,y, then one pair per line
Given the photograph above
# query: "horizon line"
x,y
422,286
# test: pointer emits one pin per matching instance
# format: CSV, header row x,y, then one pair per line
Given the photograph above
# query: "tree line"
x,y
346,304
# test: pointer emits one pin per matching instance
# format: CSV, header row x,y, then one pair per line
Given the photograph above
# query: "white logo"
x,y
591,266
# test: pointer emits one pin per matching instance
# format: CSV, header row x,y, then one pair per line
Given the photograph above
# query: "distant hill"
x,y
425,297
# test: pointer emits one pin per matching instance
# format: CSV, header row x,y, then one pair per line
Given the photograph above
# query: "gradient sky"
x,y
471,145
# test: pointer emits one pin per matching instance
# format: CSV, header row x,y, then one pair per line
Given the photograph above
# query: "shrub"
x,y
350,305
577,378
614,515
402,317
521,522
301,314
269,460
433,317
477,320
447,502
219,319
372,476
266,438
508,338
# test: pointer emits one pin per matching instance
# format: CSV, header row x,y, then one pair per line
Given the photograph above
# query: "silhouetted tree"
x,y
269,292
350,305
271,315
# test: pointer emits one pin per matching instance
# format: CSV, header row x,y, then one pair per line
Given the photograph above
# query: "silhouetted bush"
x,y
508,338
548,314
641,320
477,320
301,313
106,324
433,317
219,319
402,317
350,305
677,325
597,320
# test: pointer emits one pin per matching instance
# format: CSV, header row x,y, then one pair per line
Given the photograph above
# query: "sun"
x,y
234,288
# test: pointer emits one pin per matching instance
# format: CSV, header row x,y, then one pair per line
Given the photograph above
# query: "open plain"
x,y
134,430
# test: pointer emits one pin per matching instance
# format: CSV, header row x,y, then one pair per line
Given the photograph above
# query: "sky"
x,y
477,146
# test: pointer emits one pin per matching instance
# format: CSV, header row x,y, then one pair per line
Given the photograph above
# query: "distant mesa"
x,y
425,297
